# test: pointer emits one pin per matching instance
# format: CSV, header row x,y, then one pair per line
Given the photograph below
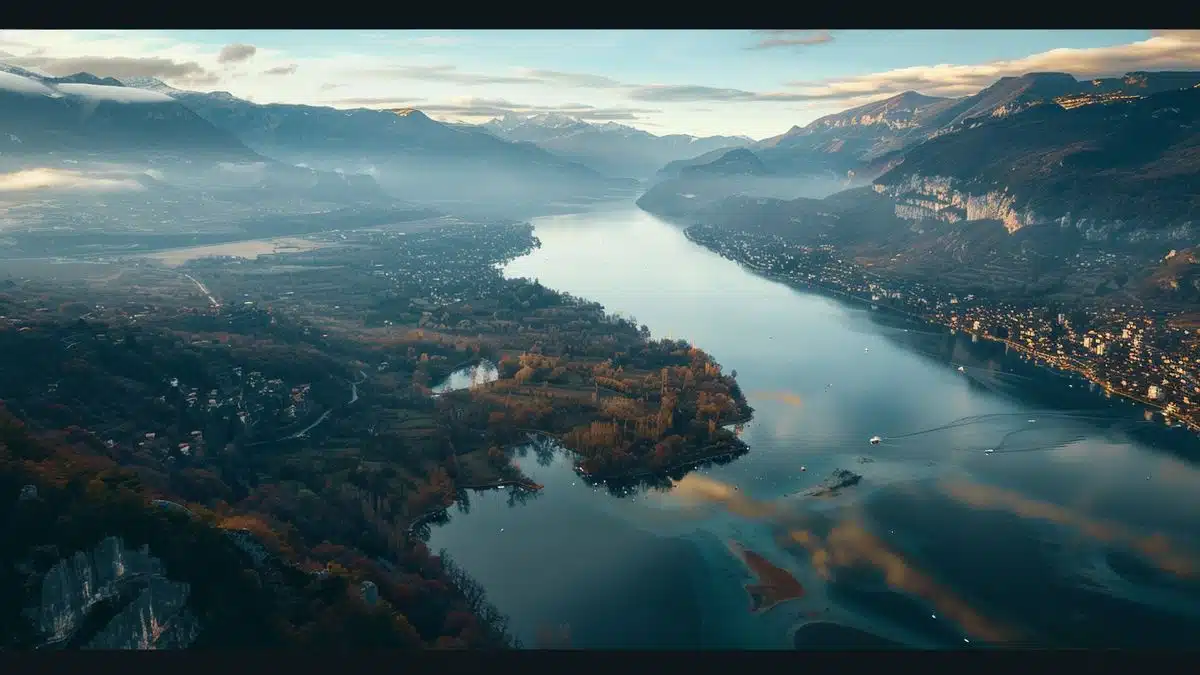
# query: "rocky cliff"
x,y
950,200
1122,172
112,597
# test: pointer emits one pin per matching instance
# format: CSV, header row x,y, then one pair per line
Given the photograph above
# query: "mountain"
x,y
1049,201
855,146
83,157
409,154
1110,169
858,138
732,173
610,148
86,114
739,162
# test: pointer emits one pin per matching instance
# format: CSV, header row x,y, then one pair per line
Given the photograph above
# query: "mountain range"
x,y
611,148
974,137
1038,168
868,136
1110,161
409,154
377,156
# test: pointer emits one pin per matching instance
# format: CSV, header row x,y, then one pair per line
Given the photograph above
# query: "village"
x,y
1129,350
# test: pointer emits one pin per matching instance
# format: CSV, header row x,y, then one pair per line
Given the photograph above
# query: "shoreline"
x,y
1041,360
529,484
706,455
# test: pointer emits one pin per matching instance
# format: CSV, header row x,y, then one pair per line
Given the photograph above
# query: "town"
x,y
1130,351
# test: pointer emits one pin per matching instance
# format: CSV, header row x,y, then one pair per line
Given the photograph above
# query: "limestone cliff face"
x,y
951,200
113,597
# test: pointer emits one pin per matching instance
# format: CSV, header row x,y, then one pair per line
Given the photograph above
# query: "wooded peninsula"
x,y
290,399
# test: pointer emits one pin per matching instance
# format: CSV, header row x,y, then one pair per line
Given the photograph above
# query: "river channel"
x,y
1003,505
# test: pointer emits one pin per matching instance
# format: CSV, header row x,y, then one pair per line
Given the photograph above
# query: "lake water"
x,y
1004,505
475,375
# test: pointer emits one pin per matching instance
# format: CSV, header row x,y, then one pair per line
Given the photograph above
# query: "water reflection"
x,y
1156,548
469,377
1071,531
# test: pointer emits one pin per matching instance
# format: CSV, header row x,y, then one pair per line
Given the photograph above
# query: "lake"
x,y
1004,504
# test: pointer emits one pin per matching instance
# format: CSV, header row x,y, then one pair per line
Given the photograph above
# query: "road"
x,y
204,290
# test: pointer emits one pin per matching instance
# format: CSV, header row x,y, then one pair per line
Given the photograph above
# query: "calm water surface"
x,y
1004,505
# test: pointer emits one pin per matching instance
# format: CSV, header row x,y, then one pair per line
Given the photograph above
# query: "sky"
x,y
757,83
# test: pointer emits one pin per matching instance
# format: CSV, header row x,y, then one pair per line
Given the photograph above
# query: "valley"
x,y
436,341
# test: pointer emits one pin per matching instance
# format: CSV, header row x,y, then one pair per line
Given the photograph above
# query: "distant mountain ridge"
x,y
611,148
1006,187
85,113
411,155
858,138
1129,164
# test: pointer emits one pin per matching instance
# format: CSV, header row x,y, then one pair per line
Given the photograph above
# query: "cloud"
x,y
236,52
558,77
372,102
289,69
1175,33
478,109
58,179
1164,50
120,67
101,92
447,73
526,76
791,38
691,93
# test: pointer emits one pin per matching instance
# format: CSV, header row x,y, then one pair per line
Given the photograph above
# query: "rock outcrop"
x,y
834,484
113,597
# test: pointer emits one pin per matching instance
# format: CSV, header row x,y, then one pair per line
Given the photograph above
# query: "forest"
x,y
306,419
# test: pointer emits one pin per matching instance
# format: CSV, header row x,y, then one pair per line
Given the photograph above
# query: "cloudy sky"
x,y
757,83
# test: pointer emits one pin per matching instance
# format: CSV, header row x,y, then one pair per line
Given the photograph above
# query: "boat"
x,y
875,440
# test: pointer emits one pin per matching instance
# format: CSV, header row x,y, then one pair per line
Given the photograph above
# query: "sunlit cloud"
x,y
40,179
480,109
1166,50
439,69
189,73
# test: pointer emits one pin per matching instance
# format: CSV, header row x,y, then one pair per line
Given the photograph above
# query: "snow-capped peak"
x,y
149,84
554,120
513,120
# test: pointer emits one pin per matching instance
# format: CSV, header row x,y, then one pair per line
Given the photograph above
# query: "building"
x,y
1154,393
